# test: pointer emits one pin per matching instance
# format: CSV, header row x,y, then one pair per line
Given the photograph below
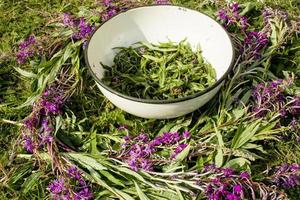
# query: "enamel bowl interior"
x,y
159,24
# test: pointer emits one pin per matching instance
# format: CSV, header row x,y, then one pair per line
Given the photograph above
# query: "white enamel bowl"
x,y
160,24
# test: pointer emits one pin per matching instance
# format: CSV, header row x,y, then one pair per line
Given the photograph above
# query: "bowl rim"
x,y
155,101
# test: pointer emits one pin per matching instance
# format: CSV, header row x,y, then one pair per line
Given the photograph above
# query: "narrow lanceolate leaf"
x,y
118,193
236,163
131,173
140,193
178,159
86,161
111,178
25,73
179,194
30,100
244,134
93,143
31,181
219,158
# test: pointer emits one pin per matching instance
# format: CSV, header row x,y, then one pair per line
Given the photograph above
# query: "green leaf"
x,y
111,137
178,159
219,158
246,97
163,195
118,193
237,163
111,178
93,143
30,100
25,73
238,113
58,123
166,128
131,173
31,181
249,6
244,134
124,195
219,136
179,194
181,124
141,194
86,161
254,146
152,58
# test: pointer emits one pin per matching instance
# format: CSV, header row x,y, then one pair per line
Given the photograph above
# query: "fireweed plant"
x,y
80,146
151,71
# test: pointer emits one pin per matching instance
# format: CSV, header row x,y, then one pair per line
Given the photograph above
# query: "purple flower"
x,y
84,194
169,138
237,189
269,97
27,43
52,107
84,30
68,20
244,22
123,127
38,126
146,165
149,149
179,149
142,138
245,175
223,15
294,109
111,12
223,185
266,15
234,6
45,125
29,144
258,38
139,150
162,2
57,186
231,17
106,2
287,176
216,181
31,122
26,49
81,28
133,164
227,172
230,196
211,167
186,134
45,139
74,173
255,42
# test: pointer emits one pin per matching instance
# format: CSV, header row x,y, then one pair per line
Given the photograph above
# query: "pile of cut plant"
x,y
62,139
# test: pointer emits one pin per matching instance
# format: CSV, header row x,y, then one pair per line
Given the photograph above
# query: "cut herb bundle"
x,y
164,71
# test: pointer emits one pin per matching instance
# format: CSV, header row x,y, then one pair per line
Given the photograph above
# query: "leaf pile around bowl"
x,y
161,72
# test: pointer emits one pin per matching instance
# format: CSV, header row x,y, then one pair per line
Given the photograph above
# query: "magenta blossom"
x,y
139,152
27,49
81,28
162,2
